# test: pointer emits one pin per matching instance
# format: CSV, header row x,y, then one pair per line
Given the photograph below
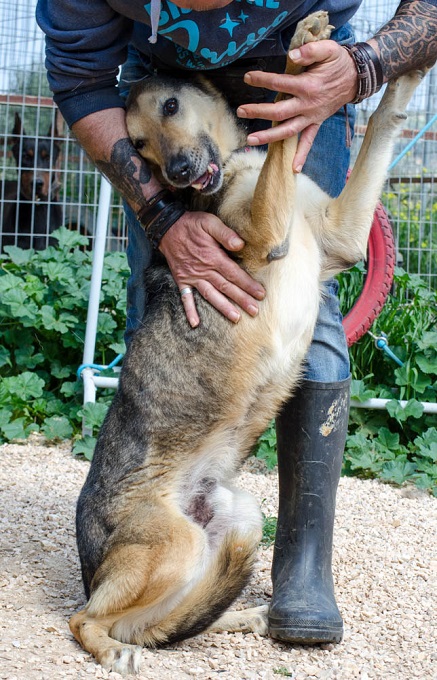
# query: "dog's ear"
x,y
14,138
206,86
18,129
57,128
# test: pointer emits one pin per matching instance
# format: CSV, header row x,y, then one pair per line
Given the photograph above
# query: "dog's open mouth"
x,y
202,182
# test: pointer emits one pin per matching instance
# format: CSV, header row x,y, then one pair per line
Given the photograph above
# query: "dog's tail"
x,y
226,577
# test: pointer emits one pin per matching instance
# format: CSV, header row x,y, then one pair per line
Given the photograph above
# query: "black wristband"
x,y
153,207
369,69
159,214
166,219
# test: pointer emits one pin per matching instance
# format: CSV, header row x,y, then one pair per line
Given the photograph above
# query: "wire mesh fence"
x,y
411,196
29,127
67,193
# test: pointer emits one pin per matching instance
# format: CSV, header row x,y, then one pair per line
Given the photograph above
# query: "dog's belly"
x,y
264,372
200,507
289,313
218,507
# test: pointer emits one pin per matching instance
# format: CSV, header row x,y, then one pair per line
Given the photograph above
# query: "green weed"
x,y
283,671
269,530
43,309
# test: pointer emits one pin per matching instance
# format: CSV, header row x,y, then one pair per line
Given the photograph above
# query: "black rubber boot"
x,y
311,432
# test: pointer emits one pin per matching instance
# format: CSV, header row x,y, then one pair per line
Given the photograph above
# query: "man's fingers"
x,y
304,145
277,82
236,284
278,111
314,52
308,54
219,301
234,293
288,128
187,297
221,294
229,271
195,249
223,235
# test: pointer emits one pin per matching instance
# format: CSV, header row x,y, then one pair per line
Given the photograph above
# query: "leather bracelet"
x,y
159,214
369,69
164,221
153,206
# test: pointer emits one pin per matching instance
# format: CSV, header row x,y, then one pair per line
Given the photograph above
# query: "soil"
x,y
384,543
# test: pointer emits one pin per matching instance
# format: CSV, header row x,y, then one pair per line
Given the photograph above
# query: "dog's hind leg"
x,y
346,220
233,534
93,635
251,620
138,584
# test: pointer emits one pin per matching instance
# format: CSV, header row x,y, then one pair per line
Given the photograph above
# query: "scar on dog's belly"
x,y
199,507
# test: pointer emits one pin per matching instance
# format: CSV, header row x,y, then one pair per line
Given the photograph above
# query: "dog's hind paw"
x,y
253,620
314,27
124,660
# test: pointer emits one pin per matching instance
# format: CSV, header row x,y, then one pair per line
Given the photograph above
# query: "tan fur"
x,y
182,540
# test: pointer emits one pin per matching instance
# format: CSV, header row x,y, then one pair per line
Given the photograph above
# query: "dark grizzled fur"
x,y
162,395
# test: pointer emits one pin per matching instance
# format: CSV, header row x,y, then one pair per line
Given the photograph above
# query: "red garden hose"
x,y
378,281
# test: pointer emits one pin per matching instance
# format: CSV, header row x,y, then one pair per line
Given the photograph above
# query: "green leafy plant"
x,y
409,320
389,444
269,530
266,447
43,309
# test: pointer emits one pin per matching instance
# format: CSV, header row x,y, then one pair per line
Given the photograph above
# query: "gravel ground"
x,y
383,561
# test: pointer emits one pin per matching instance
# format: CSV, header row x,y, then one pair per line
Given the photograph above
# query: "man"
x,y
241,45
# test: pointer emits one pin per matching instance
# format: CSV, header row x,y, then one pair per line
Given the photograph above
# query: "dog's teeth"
x,y
198,186
210,170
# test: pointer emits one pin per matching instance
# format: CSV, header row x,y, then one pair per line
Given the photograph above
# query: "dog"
x,y
31,209
166,541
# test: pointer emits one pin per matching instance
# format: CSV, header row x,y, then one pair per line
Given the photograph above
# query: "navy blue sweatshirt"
x,y
86,40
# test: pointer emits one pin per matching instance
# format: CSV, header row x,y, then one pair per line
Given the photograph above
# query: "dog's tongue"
x,y
202,182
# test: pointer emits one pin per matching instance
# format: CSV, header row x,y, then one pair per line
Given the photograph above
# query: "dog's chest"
x,y
291,308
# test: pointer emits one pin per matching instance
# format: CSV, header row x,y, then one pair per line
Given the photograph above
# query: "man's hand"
x,y
329,82
192,248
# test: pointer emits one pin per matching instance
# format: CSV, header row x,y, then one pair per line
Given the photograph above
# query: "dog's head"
x,y
36,159
185,130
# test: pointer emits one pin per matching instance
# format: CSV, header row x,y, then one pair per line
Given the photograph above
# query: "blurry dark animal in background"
x,y
31,209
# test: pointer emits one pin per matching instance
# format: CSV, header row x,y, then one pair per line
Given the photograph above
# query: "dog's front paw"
x,y
125,660
314,27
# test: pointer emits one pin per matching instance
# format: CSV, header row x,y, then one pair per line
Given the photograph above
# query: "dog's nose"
x,y
178,170
38,185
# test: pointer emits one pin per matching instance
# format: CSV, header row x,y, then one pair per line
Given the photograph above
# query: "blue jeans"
x,y
327,165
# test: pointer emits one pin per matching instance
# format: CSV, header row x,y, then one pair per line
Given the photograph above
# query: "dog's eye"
x,y
139,144
170,107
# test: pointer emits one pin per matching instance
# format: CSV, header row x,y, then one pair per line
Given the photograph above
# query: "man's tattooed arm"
x,y
127,171
104,137
409,40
